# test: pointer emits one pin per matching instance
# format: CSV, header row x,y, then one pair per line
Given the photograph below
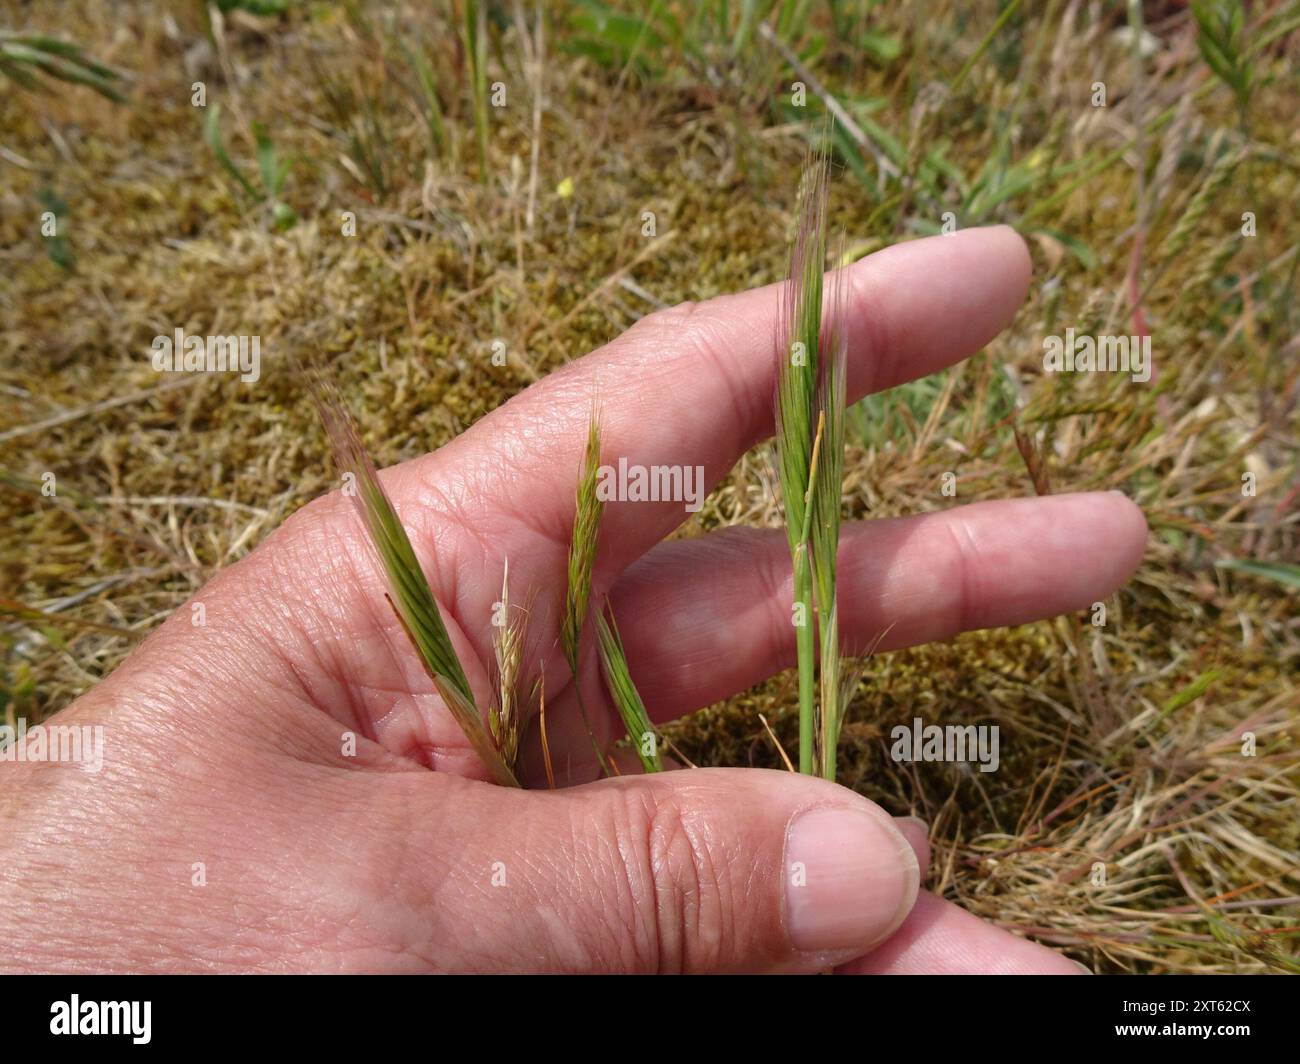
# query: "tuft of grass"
x,y
427,99
582,560
355,112
274,170
412,598
613,659
474,40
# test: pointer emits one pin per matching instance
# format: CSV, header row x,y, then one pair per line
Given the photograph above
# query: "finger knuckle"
x,y
678,880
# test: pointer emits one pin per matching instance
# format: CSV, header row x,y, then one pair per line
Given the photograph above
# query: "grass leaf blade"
x,y
582,561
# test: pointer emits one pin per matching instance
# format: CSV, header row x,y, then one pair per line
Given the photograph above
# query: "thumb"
x,y
703,870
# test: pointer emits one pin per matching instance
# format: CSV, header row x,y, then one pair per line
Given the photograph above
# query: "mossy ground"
x,y
1121,744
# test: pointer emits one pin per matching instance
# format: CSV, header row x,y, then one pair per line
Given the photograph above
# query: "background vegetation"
x,y
526,223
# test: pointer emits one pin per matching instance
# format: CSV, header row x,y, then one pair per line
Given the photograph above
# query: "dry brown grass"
x,y
1120,745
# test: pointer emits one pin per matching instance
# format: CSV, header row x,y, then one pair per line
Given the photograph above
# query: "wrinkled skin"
x,y
232,829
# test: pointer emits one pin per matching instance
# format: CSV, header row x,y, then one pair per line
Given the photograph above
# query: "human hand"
x,y
226,761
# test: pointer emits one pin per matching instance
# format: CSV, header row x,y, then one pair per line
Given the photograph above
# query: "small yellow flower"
x,y
565,188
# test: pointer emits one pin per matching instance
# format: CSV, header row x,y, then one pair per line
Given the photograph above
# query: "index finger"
x,y
693,387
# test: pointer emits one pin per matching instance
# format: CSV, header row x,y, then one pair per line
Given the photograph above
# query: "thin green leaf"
x,y
266,162
62,60
1188,694
1282,572
1073,245
25,78
212,134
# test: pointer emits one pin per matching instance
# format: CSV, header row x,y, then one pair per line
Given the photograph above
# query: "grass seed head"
x,y
582,548
504,718
412,598
626,698
799,342
827,493
582,561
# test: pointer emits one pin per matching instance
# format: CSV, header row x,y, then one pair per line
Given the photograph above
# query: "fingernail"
x,y
851,879
1083,968
925,828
